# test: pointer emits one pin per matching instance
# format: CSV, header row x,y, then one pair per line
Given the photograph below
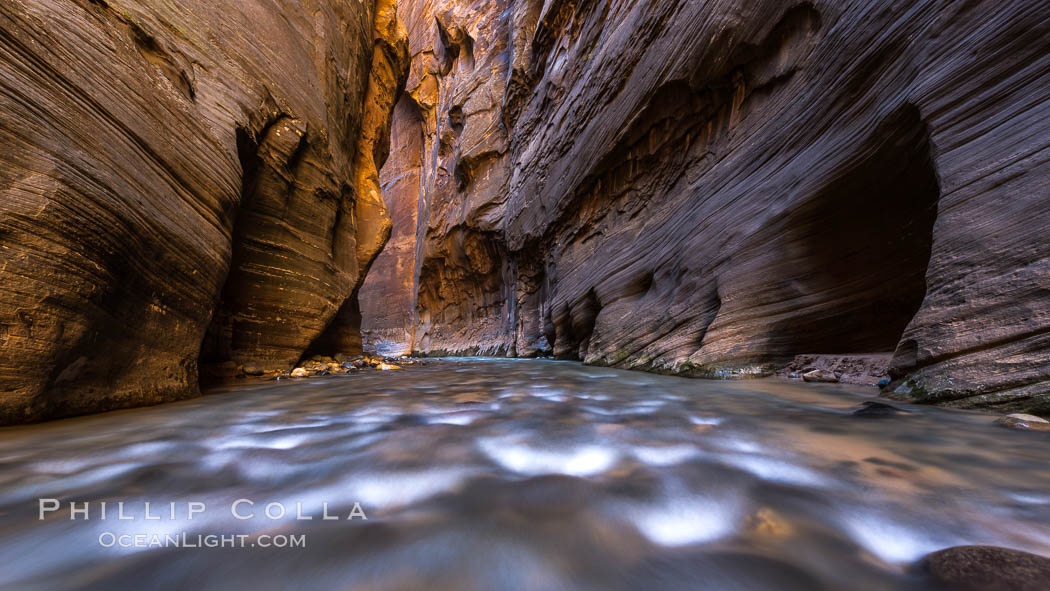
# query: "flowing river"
x,y
513,474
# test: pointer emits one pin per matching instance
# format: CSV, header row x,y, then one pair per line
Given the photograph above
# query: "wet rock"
x,y
370,361
387,366
871,408
883,383
820,375
1024,422
849,369
408,420
987,568
300,372
252,369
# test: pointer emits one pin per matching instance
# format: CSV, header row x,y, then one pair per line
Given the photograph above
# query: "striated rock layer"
x,y
715,188
387,297
169,166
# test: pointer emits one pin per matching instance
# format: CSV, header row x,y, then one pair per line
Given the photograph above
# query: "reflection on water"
x,y
513,474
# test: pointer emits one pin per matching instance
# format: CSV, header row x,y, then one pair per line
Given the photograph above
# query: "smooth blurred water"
x,y
516,474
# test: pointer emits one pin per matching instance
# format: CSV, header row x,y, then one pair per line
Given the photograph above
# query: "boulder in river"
x,y
252,369
987,568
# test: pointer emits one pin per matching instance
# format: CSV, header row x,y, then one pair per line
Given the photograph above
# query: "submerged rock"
x,y
870,408
988,568
1024,422
820,375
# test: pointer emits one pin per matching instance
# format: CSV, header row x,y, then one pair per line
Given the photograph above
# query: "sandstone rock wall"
x,y
713,188
387,296
162,164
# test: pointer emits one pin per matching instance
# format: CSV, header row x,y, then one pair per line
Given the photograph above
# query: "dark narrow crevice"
x,y
340,244
529,292
466,53
448,49
342,337
456,119
248,156
574,329
566,345
463,176
218,339
584,319
549,329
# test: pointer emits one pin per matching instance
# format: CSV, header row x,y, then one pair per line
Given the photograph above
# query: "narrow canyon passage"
x,y
525,295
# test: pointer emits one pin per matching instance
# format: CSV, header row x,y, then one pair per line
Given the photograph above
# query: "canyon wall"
x,y
387,297
180,180
714,188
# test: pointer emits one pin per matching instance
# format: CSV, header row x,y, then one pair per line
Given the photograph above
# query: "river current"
x,y
513,474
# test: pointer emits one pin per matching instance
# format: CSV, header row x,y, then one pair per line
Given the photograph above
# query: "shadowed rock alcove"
x,y
861,246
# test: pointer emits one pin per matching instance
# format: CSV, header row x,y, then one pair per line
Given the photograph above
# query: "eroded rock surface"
x,y
987,568
714,188
164,163
387,297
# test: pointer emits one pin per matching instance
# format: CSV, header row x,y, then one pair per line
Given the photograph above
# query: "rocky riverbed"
x,y
520,474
